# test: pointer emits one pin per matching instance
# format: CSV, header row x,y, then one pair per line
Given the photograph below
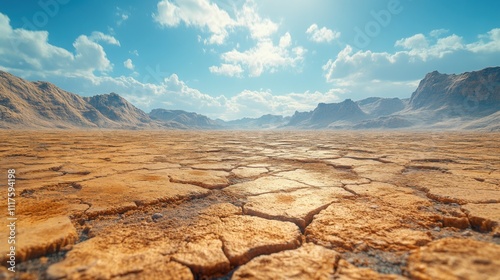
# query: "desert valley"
x,y
106,191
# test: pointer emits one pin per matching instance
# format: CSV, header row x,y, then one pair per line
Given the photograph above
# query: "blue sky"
x,y
245,58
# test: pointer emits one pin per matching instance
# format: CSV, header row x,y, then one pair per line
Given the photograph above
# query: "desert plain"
x,y
103,204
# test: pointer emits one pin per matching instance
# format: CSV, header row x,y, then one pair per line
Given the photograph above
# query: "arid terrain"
x,y
252,205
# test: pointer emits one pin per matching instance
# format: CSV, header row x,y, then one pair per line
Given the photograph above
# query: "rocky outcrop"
x,y
474,93
299,117
328,113
324,115
117,109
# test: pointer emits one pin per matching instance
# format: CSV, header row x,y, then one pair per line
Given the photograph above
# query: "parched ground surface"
x,y
252,205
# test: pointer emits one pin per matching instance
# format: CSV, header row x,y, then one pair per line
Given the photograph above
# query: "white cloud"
x,y
321,35
99,36
257,103
224,69
417,41
90,56
420,54
5,28
25,50
266,56
420,48
285,41
259,28
198,13
488,43
128,64
174,93
364,71
438,32
208,16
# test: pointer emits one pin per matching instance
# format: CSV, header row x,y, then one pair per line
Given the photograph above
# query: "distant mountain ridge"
x,y
184,119
465,101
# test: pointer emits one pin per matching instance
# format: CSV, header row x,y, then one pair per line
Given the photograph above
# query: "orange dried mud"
x,y
253,205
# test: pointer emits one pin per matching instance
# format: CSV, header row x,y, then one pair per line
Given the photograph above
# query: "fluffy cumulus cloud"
x,y
30,51
208,16
258,27
264,56
268,53
198,13
174,93
128,64
321,35
418,55
171,92
90,56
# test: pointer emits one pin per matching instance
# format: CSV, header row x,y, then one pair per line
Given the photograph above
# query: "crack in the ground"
x,y
199,184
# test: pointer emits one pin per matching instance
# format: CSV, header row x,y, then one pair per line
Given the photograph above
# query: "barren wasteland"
x,y
101,204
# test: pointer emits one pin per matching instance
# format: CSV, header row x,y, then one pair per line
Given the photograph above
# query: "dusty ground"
x,y
253,205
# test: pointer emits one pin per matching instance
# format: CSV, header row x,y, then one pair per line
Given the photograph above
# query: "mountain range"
x,y
466,101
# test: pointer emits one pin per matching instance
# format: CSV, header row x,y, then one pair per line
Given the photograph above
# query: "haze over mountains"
x,y
466,101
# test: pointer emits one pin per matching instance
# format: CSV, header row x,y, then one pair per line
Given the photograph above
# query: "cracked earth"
x,y
253,205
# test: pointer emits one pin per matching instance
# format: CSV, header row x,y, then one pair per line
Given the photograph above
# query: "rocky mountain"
x,y
460,101
41,104
466,101
377,107
119,110
183,119
25,104
329,115
472,93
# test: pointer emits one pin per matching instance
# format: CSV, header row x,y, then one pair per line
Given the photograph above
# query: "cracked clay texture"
x,y
253,205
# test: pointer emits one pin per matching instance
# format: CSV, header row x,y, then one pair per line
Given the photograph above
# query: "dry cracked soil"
x,y
252,205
